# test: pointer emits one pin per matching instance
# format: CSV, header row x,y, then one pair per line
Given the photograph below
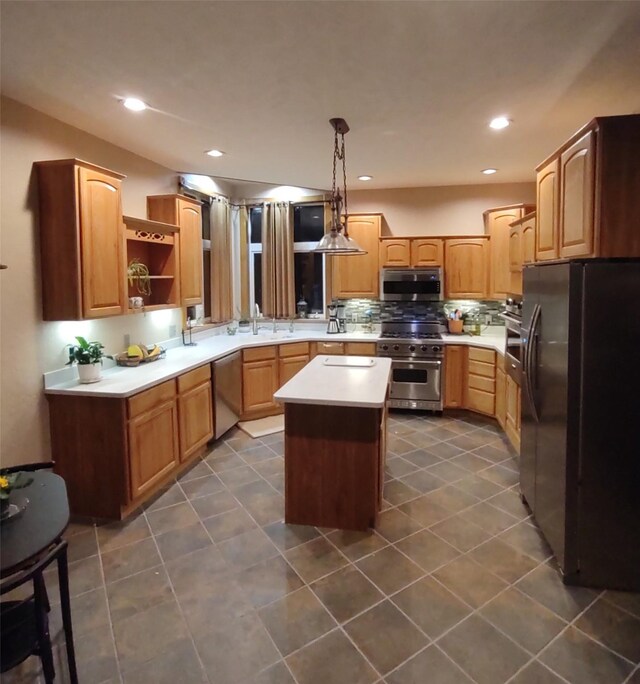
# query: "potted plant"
x,y
88,356
138,274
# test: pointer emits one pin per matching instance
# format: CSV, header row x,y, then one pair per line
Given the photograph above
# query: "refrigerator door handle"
x,y
529,369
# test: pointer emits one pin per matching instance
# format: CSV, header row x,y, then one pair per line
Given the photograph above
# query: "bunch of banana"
x,y
140,351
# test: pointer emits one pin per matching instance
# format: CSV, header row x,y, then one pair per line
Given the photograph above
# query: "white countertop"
x,y
363,386
120,382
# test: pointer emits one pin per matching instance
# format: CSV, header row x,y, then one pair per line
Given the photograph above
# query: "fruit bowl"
x,y
139,353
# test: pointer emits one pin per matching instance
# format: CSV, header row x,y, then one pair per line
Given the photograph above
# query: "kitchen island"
x,y
335,441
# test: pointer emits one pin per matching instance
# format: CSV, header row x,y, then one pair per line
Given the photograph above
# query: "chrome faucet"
x,y
275,325
291,322
256,316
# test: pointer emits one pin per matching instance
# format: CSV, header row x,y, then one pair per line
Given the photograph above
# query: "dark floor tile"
x,y
399,446
394,525
445,450
198,469
228,525
536,673
95,656
492,452
88,611
273,438
138,593
179,664
385,636
478,487
236,649
114,535
275,674
460,532
613,627
84,575
470,581
202,486
240,441
354,545
483,652
491,519
545,586
442,433
396,492
149,634
577,658
277,482
427,550
221,599
286,536
510,502
447,471
295,620
390,570
269,580
315,559
247,549
422,458
431,606
470,462
424,511
452,498
627,600
498,474
273,466
193,575
331,660
208,506
170,496
238,477
635,677
421,439
528,539
503,560
430,665
129,560
423,481
257,454
523,619
396,466
346,593
177,543
171,518
82,546
220,462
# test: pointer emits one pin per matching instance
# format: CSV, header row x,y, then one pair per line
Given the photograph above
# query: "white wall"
x,y
29,346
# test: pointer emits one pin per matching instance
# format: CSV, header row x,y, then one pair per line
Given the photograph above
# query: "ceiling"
x,y
416,81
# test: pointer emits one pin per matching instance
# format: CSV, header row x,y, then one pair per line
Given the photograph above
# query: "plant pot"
x,y
455,326
88,372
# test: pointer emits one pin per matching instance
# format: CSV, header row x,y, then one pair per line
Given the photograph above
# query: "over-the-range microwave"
x,y
411,284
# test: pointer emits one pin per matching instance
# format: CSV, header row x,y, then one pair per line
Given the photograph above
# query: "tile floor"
x,y
207,584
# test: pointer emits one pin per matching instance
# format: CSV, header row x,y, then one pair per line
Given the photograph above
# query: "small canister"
x,y
302,307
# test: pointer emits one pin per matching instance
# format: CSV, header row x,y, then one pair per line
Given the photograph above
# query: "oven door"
x,y
410,285
416,384
513,347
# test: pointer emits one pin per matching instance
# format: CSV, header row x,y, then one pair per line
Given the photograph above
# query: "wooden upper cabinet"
x,y
528,239
395,252
81,238
358,276
547,211
577,170
497,226
466,269
186,213
427,252
515,249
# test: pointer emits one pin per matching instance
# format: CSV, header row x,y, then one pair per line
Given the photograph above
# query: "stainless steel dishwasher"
x,y
227,392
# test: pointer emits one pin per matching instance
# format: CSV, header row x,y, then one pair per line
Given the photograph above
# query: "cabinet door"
x,y
195,411
289,366
358,276
259,382
547,211
528,241
501,397
395,253
577,171
360,348
190,222
466,268
102,244
153,446
498,228
332,348
455,358
427,252
515,249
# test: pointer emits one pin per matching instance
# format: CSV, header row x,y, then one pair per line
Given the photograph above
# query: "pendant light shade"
x,y
337,241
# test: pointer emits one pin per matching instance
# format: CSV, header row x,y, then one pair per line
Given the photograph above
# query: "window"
x,y
255,256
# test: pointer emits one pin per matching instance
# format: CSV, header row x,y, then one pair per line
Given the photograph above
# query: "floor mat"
x,y
263,426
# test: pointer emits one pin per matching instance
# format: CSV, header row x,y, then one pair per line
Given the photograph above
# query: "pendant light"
x,y
337,241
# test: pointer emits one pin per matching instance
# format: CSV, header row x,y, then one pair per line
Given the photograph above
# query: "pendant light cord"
x,y
339,154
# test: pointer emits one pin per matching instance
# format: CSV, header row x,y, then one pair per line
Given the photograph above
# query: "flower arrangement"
x,y
11,481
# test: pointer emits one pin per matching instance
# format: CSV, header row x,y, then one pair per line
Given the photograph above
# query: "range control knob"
x,y
436,348
424,348
411,348
385,347
396,347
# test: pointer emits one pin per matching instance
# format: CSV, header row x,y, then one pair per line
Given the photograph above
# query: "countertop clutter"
x,y
125,382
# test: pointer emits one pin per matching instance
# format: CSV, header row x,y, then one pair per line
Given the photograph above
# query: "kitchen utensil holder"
x,y
455,326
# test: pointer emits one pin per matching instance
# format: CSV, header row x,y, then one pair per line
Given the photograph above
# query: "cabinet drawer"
x,y
479,354
330,347
487,370
294,349
145,401
482,383
361,348
477,400
194,378
259,354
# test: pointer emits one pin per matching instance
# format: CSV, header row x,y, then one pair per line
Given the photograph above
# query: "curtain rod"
x,y
253,201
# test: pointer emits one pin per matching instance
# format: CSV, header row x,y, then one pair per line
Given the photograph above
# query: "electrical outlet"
x,y
172,331
127,341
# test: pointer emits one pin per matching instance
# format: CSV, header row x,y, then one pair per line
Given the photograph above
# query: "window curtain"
x,y
278,295
221,256
243,269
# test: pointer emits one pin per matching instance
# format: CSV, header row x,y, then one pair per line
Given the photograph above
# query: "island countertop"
x,y
358,381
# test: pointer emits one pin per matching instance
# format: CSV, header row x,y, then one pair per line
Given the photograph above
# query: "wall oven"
x,y
513,337
411,284
416,384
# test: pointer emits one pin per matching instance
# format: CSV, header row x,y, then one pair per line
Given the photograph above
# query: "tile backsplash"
x,y
357,309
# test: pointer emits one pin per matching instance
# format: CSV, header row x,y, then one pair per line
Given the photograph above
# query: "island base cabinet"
x,y
333,458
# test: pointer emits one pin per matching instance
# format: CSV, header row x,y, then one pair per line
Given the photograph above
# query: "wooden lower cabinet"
x,y
501,397
259,383
289,366
481,385
329,348
455,364
360,348
195,410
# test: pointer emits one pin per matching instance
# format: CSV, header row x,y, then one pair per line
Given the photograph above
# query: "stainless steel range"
x,y
416,363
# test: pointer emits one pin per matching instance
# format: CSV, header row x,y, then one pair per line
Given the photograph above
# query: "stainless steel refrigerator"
x,y
580,441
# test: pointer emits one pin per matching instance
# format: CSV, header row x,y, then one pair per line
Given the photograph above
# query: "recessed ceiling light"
x,y
488,172
134,104
215,153
499,122
365,178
